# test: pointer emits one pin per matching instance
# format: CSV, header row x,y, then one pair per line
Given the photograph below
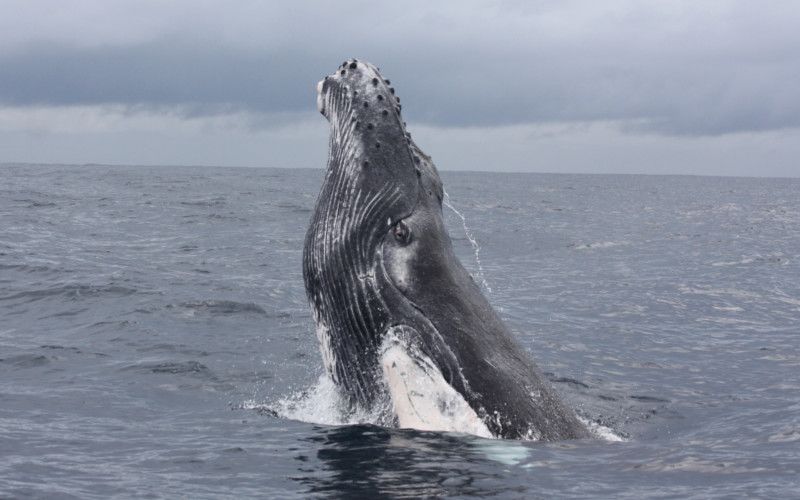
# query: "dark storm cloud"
x,y
198,78
686,71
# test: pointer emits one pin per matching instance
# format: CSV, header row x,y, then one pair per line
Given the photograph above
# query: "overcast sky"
x,y
699,87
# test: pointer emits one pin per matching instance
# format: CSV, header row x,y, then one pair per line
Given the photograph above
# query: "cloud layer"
x,y
673,68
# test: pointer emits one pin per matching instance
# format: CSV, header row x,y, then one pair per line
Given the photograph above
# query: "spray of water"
x,y
476,248
321,403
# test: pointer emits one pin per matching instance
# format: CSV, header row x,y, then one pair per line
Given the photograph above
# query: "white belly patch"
x,y
421,397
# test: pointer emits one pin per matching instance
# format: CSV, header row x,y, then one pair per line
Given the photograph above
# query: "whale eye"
x,y
402,233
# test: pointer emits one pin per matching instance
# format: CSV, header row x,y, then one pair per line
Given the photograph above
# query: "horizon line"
x,y
512,172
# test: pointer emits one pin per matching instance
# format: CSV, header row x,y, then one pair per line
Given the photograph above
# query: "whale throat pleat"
x,y
339,266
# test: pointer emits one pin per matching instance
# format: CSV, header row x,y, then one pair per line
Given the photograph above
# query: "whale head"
x,y
369,140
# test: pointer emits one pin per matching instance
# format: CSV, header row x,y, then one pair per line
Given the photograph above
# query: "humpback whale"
x,y
404,330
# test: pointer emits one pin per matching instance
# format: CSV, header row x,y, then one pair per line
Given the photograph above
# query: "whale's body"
x,y
403,328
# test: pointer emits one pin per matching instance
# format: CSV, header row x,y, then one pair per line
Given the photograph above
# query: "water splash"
x,y
476,248
602,432
321,403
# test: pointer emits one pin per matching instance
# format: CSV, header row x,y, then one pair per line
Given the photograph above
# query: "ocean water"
x,y
155,340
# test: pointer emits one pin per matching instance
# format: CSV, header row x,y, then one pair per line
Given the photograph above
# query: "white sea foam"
x,y
773,258
746,260
503,451
728,308
319,404
601,431
322,404
718,291
600,244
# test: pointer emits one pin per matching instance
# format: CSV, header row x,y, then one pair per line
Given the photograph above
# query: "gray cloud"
x,y
167,72
675,69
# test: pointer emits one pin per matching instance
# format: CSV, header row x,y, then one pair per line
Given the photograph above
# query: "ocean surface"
x,y
156,342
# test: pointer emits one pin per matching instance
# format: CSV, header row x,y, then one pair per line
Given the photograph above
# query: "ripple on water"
x,y
71,291
190,368
671,320
228,307
25,361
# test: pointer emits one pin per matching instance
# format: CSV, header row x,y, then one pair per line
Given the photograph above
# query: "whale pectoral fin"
x,y
421,397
